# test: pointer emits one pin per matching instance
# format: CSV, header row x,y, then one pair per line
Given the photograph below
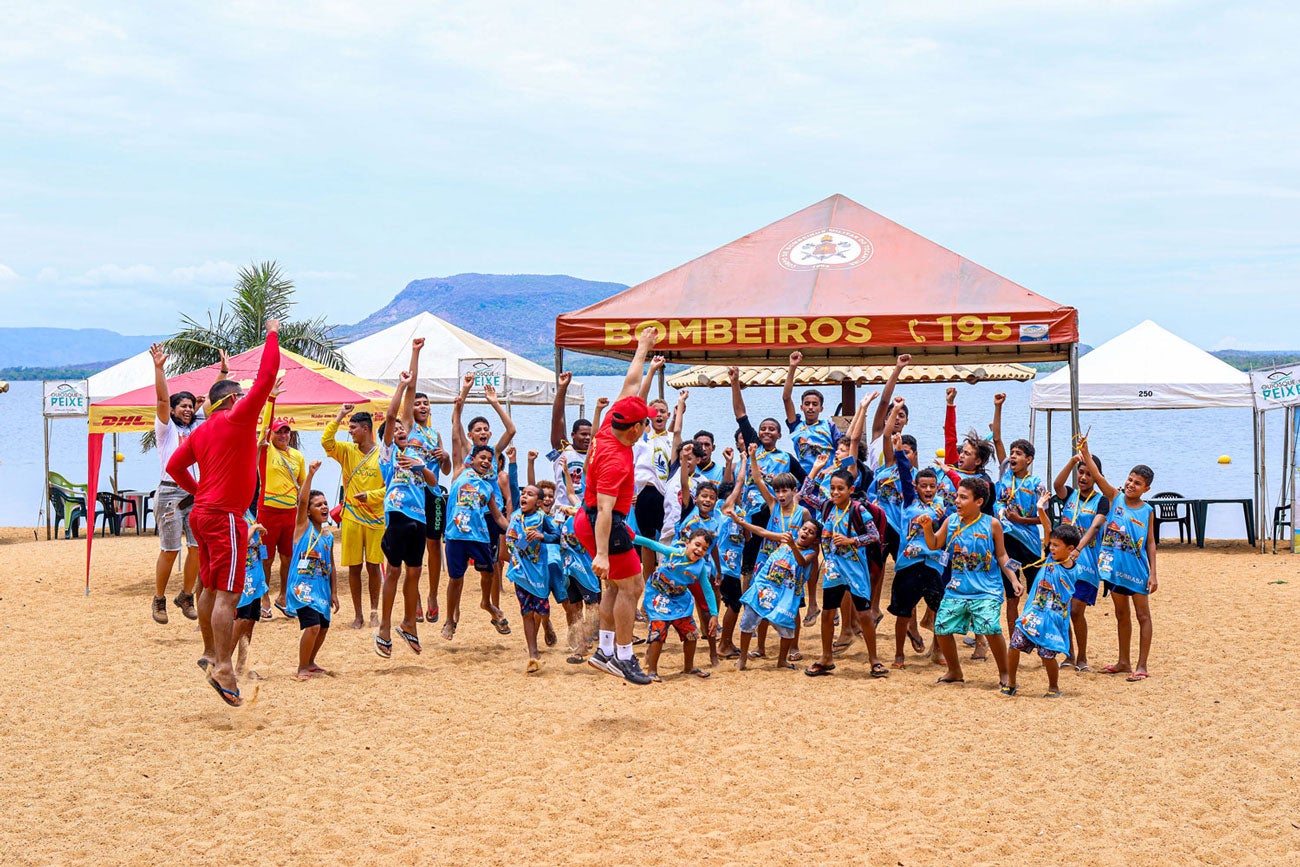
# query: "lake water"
x,y
1182,447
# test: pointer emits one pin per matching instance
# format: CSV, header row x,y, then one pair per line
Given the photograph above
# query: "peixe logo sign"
x,y
65,397
486,371
1276,386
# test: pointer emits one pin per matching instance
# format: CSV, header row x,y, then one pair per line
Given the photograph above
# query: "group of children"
x,y
753,536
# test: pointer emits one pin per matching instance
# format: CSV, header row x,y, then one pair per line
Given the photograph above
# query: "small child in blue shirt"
x,y
1044,626
527,535
250,605
668,600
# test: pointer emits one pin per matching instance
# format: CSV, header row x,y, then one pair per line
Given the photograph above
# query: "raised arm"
x,y
329,437
998,400
656,364
408,403
304,494
532,470
490,394
950,450
632,382
904,472
887,396
558,431
459,441
737,395
162,409
247,409
403,385
1058,484
602,404
1107,489
934,540
787,391
679,415
860,422
756,475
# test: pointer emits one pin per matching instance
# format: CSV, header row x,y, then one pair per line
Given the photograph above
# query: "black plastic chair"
x,y
1168,513
116,507
70,510
1281,518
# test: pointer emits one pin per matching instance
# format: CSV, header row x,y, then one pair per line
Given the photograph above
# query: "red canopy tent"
x,y
310,395
836,281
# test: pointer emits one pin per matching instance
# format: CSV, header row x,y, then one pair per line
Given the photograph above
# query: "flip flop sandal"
x,y
946,680
1008,690
810,618
267,615
731,654
501,626
282,609
230,697
879,670
575,659
383,648
701,673
1052,693
1112,669
636,641
898,665
419,616
918,643
412,641
754,654
654,678
819,670
795,656
1084,667
452,624
431,616
203,664
1137,676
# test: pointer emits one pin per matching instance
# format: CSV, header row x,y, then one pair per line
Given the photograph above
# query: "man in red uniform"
x,y
607,501
225,448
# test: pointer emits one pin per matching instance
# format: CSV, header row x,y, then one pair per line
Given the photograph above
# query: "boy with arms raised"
x,y
1086,507
426,443
1018,493
972,600
812,434
361,524
529,531
1127,561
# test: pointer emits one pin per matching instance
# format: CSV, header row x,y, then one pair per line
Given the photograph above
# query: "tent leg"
x,y
1074,391
1033,418
115,463
661,384
848,397
1049,445
559,362
1261,474
48,529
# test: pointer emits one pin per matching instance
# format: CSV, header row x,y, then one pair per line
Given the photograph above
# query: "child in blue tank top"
x,y
777,589
1086,507
812,434
972,599
668,599
527,536
730,546
313,594
1016,497
1044,627
250,602
1127,562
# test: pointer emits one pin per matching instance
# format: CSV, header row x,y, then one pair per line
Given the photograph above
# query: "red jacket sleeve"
x,y
250,407
178,467
950,436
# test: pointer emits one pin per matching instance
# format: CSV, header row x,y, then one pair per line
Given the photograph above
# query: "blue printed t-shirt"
x,y
1023,493
254,576
913,549
694,521
1122,560
405,487
528,557
770,464
846,565
887,492
422,441
313,564
667,593
777,587
975,571
576,560
1046,618
467,506
811,440
1080,512
835,465
731,547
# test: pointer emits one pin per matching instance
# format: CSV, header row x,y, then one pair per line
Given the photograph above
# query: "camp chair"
x,y
116,507
1281,518
1168,513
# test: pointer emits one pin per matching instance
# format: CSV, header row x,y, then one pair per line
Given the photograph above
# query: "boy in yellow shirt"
x,y
362,523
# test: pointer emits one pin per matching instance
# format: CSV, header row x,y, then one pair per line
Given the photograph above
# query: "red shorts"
x,y
278,535
223,542
621,566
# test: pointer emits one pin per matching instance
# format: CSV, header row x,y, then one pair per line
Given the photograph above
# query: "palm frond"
x,y
312,339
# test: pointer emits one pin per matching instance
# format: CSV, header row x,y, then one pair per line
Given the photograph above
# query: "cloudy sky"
x,y
1136,159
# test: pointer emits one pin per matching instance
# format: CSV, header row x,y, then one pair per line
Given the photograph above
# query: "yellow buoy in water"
x,y
119,457
1224,459
940,453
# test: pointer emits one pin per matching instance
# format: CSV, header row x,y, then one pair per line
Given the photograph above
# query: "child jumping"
x,y
312,592
668,599
255,587
778,588
1044,627
526,535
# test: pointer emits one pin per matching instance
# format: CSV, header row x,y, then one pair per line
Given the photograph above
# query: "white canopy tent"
x,y
1148,367
127,375
382,356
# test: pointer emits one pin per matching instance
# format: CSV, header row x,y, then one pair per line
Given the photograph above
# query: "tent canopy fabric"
x,y
1146,367
834,280
127,375
384,355
311,395
717,376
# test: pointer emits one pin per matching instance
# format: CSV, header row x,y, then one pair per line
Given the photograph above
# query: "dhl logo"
x,y
123,420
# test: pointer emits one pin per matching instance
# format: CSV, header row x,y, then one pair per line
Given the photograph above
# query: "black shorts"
x,y
730,592
578,593
309,617
494,542
649,511
1017,550
749,557
911,585
833,598
403,542
891,544
252,611
1115,590
435,512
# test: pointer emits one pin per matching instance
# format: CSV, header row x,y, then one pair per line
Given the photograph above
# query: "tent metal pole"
x,y
115,463
1074,391
1261,452
559,362
48,529
1049,445
848,397
661,384
1033,418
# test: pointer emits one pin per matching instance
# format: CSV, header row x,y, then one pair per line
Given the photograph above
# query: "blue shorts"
x,y
530,604
1085,593
461,551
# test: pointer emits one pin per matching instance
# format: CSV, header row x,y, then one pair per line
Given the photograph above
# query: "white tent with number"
x,y
1146,367
382,356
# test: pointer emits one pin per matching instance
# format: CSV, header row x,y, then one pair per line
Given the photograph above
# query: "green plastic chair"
x,y
70,498
59,481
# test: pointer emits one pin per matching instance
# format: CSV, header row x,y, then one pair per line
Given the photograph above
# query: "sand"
x,y
116,750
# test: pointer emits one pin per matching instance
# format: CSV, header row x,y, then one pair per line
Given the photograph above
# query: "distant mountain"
x,y
516,311
65,347
1244,359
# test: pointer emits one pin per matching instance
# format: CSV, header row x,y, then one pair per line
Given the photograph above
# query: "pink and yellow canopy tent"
x,y
311,395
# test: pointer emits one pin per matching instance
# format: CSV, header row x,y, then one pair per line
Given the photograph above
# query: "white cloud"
x,y
208,274
7,274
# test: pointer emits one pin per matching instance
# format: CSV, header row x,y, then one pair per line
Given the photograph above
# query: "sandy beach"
x,y
116,750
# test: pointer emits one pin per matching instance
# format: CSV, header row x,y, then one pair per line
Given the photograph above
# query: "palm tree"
x,y
261,293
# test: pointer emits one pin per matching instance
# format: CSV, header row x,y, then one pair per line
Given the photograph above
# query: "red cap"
x,y
630,410
282,421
